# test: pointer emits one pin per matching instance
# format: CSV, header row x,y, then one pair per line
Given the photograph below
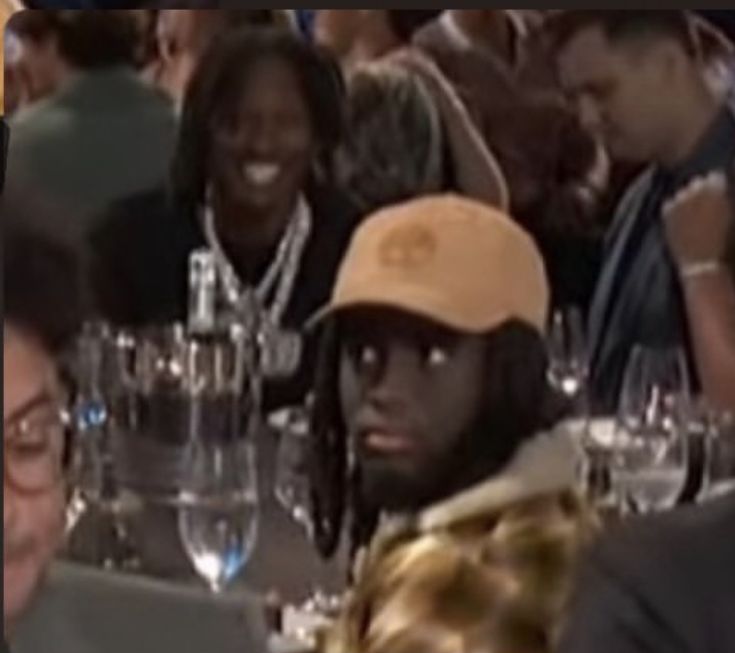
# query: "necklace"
x,y
280,348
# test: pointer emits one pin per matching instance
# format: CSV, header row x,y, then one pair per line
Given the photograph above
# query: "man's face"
x,y
33,497
262,152
621,91
410,392
182,36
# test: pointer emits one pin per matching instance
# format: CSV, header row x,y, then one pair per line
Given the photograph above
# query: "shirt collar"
x,y
546,464
716,149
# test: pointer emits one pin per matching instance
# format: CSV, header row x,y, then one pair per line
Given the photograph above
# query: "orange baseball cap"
x,y
452,260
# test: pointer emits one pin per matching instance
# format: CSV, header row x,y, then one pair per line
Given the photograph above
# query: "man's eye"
x,y
436,356
367,355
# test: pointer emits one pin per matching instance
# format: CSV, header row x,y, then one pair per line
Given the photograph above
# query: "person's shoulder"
x,y
37,121
691,544
657,584
431,35
139,217
335,208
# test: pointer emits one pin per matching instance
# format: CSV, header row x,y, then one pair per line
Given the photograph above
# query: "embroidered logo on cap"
x,y
407,247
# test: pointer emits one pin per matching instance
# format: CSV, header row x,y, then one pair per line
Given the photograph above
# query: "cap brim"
x,y
417,301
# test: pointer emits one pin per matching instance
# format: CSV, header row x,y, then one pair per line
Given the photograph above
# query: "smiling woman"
x,y
251,178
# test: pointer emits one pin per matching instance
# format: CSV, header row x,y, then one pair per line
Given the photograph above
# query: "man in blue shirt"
x,y
667,280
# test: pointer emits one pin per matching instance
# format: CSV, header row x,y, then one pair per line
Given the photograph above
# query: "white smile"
x,y
261,174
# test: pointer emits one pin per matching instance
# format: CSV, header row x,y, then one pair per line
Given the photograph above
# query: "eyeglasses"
x,y
34,448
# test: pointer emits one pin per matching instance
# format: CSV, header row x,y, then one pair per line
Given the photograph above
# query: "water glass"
x,y
218,509
568,356
651,452
292,485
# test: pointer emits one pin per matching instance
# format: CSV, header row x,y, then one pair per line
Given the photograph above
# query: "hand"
x,y
698,220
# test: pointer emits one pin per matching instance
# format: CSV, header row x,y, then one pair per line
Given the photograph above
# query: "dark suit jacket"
x,y
662,586
139,268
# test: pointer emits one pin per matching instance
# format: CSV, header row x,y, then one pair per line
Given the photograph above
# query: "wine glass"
x,y
218,509
719,466
95,491
89,419
292,485
293,493
568,357
651,452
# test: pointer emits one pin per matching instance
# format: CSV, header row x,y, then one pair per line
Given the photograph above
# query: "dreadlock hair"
x,y
519,403
217,86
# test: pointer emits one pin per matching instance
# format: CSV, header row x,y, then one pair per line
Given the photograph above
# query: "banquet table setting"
x,y
190,510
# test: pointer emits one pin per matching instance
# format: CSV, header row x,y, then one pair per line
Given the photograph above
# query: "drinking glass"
x,y
218,509
568,356
719,465
292,485
651,453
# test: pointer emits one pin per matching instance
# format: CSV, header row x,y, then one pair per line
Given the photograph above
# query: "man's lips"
x,y
387,443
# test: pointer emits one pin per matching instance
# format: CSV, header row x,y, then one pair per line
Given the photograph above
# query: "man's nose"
x,y
398,376
263,139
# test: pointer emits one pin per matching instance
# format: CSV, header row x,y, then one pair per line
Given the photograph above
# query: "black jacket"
x,y
666,585
139,267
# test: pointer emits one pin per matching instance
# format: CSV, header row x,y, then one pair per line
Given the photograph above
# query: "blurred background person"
x,y
183,36
358,36
639,80
99,133
556,170
7,7
408,134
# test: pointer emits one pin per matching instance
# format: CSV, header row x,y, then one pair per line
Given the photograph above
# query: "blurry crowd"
x,y
512,162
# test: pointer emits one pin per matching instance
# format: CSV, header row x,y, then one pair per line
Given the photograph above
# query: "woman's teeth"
x,y
261,174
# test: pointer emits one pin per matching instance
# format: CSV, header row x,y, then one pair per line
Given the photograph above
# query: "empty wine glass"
x,y
292,486
719,466
568,357
218,509
651,454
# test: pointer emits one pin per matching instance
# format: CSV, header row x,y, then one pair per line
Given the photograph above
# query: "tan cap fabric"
x,y
455,261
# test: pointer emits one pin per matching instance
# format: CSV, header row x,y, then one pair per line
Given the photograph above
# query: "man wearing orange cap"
x,y
433,415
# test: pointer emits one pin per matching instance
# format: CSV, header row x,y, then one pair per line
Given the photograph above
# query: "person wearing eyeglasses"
x,y
40,318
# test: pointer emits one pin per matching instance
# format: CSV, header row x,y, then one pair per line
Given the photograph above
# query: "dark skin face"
x,y
410,391
261,155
